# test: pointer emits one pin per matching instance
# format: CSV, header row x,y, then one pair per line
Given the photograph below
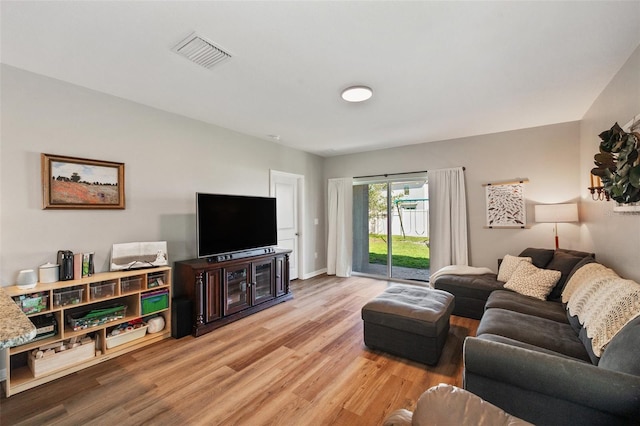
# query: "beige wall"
x,y
167,159
547,156
556,159
614,237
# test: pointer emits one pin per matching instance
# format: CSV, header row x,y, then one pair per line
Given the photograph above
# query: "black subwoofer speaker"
x,y
181,317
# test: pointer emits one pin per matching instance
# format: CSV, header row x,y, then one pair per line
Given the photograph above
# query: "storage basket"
x,y
128,285
154,301
126,337
103,290
41,366
157,279
71,296
46,326
32,303
95,317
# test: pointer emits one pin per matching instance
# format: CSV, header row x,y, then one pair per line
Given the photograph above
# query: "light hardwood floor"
x,y
302,362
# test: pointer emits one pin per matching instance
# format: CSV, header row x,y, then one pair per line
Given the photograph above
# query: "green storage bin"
x,y
154,301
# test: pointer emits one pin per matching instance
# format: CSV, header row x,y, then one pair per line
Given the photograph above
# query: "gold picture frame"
x,y
80,183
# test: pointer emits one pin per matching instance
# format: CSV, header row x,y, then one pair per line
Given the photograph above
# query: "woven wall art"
x,y
506,205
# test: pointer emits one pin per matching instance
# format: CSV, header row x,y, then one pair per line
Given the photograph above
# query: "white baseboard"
x,y
314,274
3,375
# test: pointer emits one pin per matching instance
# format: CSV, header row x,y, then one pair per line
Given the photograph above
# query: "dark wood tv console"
x,y
225,291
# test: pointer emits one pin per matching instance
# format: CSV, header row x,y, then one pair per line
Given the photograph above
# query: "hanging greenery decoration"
x,y
618,164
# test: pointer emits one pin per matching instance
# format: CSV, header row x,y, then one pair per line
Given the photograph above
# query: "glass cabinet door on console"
x,y
212,299
263,285
237,289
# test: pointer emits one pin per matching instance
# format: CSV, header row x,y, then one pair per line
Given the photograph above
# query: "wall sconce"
x,y
597,190
556,213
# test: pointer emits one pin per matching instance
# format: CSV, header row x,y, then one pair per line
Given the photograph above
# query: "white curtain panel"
x,y
448,240
340,242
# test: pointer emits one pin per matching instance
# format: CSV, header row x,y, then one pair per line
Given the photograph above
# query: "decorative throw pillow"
x,y
508,265
539,257
532,281
564,263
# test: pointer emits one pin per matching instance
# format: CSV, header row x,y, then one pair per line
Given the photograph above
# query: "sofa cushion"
x,y
574,322
532,281
539,257
588,345
622,352
512,301
577,253
471,286
511,342
470,291
542,332
564,263
509,265
582,335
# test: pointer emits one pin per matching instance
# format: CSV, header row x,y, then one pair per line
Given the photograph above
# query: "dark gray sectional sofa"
x,y
535,361
472,291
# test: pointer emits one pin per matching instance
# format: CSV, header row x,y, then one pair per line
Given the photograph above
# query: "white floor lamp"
x,y
556,213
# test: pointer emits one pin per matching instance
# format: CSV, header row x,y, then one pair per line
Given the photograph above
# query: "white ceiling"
x,y
439,70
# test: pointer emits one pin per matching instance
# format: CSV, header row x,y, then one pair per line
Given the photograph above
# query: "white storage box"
x,y
40,367
126,336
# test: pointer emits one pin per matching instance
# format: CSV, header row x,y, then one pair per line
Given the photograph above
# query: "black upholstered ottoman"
x,y
409,321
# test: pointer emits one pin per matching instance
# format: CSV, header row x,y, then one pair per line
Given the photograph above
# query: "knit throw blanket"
x,y
590,273
603,302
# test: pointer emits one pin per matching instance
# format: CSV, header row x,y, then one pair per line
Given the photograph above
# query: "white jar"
x,y
49,273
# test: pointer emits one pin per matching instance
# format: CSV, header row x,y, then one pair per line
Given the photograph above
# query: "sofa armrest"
x,y
544,388
445,404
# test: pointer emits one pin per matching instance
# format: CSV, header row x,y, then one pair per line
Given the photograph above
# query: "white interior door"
x,y
285,187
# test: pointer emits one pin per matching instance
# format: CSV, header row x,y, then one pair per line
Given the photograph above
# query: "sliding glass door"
x,y
391,227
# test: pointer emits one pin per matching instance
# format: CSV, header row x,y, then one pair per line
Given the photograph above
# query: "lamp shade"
x,y
555,213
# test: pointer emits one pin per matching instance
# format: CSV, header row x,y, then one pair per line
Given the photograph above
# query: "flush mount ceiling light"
x,y
357,93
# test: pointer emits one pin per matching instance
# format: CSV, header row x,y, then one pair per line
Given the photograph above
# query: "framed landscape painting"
x,y
78,183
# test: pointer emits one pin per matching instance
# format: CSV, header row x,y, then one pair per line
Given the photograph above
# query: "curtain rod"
x,y
511,182
395,174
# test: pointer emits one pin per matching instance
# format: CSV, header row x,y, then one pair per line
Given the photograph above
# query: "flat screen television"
x,y
234,223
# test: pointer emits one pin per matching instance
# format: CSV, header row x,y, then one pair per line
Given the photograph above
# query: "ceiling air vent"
x,y
201,51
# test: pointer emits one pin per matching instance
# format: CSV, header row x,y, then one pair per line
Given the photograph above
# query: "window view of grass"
x,y
408,252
